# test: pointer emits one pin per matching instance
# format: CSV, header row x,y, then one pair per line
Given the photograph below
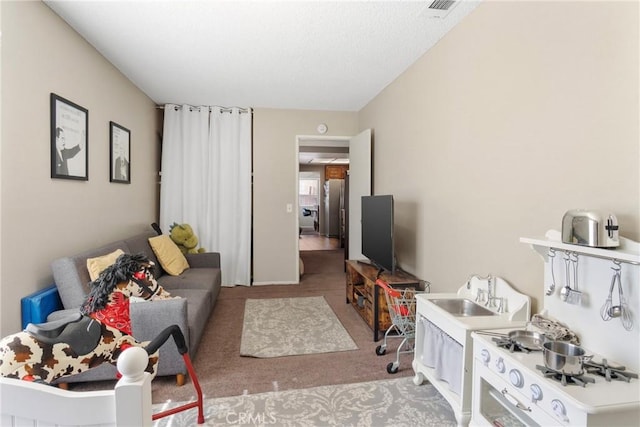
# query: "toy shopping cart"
x,y
402,310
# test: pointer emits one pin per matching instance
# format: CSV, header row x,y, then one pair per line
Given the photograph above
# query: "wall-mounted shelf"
x,y
628,251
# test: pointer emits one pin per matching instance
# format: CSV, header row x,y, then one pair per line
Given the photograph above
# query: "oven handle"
x,y
515,401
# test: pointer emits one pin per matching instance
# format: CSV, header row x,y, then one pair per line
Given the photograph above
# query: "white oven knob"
x,y
500,365
485,356
559,409
516,378
536,393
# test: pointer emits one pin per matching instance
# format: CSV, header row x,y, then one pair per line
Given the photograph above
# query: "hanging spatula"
x,y
564,293
552,288
574,296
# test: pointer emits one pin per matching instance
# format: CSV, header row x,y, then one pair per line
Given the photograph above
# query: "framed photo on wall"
x,y
69,143
120,157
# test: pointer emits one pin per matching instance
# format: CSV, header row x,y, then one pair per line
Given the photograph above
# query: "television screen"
x,y
377,231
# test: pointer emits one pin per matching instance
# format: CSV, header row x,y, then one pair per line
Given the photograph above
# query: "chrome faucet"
x,y
490,293
492,298
477,276
500,303
488,297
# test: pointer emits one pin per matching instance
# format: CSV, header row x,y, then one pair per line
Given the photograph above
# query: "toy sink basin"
x,y
462,307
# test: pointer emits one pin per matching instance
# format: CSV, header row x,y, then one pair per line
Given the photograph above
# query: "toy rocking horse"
x,y
98,333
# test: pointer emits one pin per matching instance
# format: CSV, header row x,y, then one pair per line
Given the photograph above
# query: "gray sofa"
x,y
197,286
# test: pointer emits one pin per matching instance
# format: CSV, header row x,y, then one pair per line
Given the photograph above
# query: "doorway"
x,y
321,192
309,204
357,149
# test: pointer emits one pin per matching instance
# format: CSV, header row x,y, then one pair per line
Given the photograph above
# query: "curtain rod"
x,y
223,109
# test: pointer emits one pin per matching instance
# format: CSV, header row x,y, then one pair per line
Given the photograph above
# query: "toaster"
x,y
590,228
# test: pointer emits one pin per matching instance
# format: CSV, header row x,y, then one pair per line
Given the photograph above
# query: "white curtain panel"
x,y
206,182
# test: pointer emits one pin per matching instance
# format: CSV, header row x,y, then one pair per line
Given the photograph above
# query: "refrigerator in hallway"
x,y
333,205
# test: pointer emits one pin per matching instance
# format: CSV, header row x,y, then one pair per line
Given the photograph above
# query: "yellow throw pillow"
x,y
98,264
169,255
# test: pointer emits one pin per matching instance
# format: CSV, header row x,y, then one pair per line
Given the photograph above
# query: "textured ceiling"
x,y
320,55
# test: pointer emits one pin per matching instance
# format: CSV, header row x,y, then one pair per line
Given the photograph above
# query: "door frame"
x,y
310,140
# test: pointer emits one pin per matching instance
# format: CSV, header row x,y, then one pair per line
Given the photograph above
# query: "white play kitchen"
x,y
444,323
575,363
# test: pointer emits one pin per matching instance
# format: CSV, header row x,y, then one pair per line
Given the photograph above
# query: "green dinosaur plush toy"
x,y
183,236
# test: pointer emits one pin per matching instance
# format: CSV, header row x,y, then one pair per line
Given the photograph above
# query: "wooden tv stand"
x,y
365,296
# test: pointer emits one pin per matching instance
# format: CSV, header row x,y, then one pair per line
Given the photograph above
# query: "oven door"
x,y
496,403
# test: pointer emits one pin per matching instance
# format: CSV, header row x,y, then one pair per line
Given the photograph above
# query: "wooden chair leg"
x,y
180,379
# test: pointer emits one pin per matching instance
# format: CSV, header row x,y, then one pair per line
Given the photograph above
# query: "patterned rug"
x,y
396,402
275,327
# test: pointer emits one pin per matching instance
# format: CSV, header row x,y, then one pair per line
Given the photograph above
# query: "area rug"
x,y
396,402
275,327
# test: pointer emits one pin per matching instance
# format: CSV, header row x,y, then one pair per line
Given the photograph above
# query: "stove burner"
x,y
510,345
609,372
565,379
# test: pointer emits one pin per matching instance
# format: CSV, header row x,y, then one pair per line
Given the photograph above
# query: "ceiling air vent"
x,y
440,8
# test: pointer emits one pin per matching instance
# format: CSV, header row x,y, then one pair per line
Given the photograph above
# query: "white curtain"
x,y
206,182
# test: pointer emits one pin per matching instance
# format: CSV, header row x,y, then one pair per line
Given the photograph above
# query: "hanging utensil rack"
x,y
611,339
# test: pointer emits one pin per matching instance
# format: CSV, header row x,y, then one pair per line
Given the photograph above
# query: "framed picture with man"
x,y
69,143
120,158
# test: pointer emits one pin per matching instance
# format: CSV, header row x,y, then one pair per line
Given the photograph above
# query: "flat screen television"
x,y
377,231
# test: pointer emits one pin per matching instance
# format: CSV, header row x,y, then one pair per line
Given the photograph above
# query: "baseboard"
x,y
274,283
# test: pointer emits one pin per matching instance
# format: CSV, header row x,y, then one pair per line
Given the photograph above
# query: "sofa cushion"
x,y
207,279
98,264
199,308
139,244
160,293
72,277
169,255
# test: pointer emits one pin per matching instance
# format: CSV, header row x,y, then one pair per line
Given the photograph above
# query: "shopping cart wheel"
x,y
392,367
380,350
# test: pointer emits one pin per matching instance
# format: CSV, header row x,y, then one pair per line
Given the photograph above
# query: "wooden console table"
x,y
365,296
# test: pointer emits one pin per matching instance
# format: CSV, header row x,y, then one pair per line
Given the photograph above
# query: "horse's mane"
x,y
121,271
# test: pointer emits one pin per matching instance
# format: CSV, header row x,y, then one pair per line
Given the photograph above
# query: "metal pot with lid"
x,y
564,357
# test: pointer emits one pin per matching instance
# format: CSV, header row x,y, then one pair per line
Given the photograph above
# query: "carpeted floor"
x,y
223,372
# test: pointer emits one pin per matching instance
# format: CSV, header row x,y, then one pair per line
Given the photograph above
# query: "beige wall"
x,y
44,218
275,236
523,111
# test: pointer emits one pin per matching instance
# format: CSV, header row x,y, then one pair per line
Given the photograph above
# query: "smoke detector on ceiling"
x,y
440,8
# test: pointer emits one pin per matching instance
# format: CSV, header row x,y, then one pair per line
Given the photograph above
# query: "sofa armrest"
x,y
204,260
61,314
149,318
